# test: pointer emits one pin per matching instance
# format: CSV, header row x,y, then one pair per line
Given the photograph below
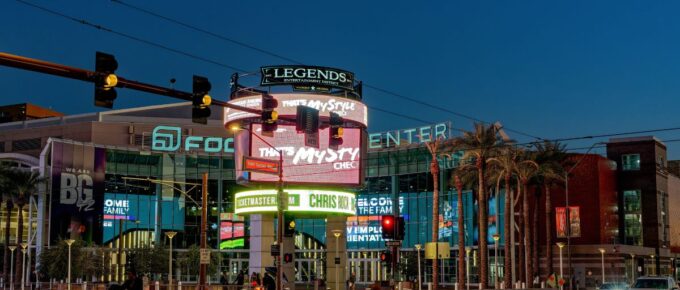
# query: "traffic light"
x,y
269,114
201,100
289,228
388,225
287,258
105,80
335,136
386,257
307,120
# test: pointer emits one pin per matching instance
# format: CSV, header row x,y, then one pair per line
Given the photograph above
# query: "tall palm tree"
x,y
433,147
550,156
4,184
479,146
526,169
24,184
503,166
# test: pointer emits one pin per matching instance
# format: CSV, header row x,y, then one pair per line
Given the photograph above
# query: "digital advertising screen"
x,y
138,212
232,231
303,164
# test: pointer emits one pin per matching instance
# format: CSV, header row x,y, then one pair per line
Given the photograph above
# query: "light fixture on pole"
x,y
653,265
418,253
496,237
23,265
602,252
467,267
337,234
11,271
69,242
561,245
170,235
632,268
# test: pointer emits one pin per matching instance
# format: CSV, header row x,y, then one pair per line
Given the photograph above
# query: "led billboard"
x,y
138,212
299,200
302,164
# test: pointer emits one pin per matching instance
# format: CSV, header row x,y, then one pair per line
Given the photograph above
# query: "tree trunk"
x,y
548,229
520,237
434,169
507,263
6,262
483,226
534,230
461,235
20,233
527,236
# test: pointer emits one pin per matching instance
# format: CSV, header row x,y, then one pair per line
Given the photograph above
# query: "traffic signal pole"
x,y
41,66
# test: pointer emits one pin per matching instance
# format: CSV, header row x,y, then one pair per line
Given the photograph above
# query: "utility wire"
x,y
267,52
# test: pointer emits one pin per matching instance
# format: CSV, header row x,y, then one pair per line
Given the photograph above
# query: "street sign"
x,y
337,260
396,243
260,165
276,250
312,139
205,256
441,250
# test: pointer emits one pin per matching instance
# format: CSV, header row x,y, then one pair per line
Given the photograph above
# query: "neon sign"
x,y
299,200
408,136
169,139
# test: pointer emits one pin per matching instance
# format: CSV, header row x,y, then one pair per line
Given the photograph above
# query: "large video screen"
x,y
302,164
138,212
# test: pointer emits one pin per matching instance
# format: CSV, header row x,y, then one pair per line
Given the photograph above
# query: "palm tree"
x,y
434,170
9,205
526,169
504,167
479,146
550,157
24,184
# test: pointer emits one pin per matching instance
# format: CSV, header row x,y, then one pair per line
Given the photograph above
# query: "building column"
x,y
261,240
332,224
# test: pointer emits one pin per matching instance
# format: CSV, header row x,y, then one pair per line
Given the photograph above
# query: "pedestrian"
x,y
133,282
268,281
351,281
223,279
239,278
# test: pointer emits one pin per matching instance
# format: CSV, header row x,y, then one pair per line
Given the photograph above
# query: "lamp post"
x,y
23,265
561,245
337,234
496,237
418,259
632,268
69,242
11,271
653,265
602,252
170,235
467,267
279,209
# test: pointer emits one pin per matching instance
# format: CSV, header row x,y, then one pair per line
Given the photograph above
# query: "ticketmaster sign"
x,y
169,139
299,200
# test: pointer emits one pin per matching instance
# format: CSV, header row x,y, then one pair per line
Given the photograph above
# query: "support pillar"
x,y
288,279
261,239
336,223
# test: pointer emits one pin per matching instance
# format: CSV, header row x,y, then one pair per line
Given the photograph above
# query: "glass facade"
x,y
632,217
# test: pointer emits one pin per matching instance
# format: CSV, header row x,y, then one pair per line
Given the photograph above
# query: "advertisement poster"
x,y
123,213
232,231
561,221
77,191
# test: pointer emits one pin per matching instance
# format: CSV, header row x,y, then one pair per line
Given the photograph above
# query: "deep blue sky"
x,y
551,69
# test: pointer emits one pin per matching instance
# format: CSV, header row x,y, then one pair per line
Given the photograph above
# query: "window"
x,y
632,217
631,161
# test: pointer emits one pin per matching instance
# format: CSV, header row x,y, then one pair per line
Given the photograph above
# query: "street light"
x,y
418,253
632,268
337,234
467,267
23,265
561,245
602,252
653,265
170,235
69,242
496,237
279,208
11,271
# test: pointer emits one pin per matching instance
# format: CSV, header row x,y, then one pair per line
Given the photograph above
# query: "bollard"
x,y
179,285
429,285
85,285
524,285
158,285
503,285
542,285
455,286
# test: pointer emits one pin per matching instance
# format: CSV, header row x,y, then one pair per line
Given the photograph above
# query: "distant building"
x,y
25,112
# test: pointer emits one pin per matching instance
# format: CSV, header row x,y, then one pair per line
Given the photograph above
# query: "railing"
x,y
149,286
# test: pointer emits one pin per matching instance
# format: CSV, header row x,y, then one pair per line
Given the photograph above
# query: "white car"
x,y
653,282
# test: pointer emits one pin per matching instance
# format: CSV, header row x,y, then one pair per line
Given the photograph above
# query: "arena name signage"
x,y
299,201
169,139
408,136
307,75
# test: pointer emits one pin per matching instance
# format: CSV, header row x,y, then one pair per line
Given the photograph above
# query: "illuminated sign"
x,y
233,244
303,164
307,75
349,110
377,205
299,200
260,165
561,221
168,138
138,212
409,136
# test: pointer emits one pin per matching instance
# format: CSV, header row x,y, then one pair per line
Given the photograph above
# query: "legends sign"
x,y
307,76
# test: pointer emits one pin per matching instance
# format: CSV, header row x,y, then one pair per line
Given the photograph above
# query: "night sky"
x,y
544,68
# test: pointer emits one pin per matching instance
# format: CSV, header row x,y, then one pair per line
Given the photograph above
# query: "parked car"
x,y
650,282
613,286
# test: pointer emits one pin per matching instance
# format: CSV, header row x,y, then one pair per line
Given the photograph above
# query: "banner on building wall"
x,y
77,191
124,213
561,221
